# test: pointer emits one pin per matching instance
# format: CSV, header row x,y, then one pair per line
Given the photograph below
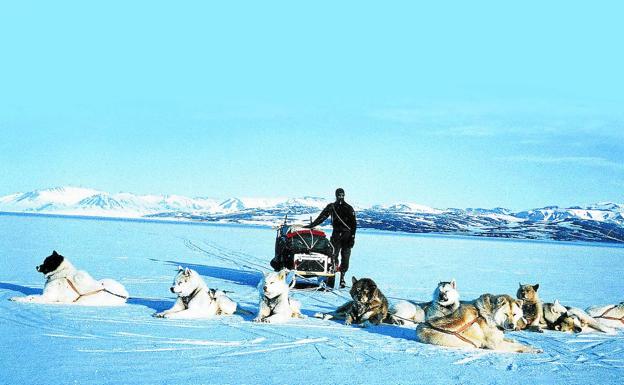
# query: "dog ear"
x,y
282,274
453,283
187,271
500,300
353,280
536,286
54,253
519,284
180,268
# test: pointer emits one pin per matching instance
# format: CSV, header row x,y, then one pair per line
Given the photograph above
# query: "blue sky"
x,y
449,105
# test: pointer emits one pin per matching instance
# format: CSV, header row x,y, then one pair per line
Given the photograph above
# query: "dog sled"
x,y
307,252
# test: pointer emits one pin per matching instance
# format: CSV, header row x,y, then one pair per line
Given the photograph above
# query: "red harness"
x,y
458,332
604,315
80,295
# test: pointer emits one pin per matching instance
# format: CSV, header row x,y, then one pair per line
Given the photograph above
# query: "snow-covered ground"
x,y
45,344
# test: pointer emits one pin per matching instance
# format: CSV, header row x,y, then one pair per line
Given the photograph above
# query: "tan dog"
x,y
532,307
467,327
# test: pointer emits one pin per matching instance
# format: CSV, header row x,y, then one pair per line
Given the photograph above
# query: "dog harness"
x,y
80,295
604,315
458,332
361,309
272,302
186,300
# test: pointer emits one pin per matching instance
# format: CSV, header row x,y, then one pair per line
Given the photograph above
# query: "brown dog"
x,y
532,307
369,305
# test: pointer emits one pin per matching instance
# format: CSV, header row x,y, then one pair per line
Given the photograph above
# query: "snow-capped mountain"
x,y
598,222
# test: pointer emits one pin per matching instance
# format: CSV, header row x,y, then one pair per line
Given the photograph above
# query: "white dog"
x,y
195,299
275,305
65,284
445,301
608,315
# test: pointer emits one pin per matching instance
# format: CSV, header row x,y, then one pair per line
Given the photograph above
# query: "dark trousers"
x,y
340,240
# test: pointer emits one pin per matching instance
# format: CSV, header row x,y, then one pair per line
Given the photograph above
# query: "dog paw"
x,y
159,315
260,320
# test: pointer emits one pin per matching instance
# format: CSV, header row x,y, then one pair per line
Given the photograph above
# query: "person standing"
x,y
343,234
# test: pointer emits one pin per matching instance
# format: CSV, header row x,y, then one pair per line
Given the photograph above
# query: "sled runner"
x,y
307,252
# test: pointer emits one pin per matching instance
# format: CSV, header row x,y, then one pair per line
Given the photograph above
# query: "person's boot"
x,y
343,284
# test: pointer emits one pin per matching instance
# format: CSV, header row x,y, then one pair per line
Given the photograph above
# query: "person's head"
x,y
340,194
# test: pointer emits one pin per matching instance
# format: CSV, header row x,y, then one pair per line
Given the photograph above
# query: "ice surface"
x,y
44,344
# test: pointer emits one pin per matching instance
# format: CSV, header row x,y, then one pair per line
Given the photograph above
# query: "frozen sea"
x,y
62,344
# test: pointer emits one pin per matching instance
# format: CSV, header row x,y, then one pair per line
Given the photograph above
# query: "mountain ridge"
x,y
602,221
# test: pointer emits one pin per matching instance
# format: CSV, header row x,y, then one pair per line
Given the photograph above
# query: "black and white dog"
x,y
67,285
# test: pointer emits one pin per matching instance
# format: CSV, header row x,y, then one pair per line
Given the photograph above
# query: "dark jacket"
x,y
342,217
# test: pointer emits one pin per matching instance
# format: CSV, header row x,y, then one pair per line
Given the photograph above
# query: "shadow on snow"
x,y
19,288
240,277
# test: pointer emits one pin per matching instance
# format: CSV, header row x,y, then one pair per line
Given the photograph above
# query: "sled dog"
x,y
608,315
369,305
467,326
487,302
445,301
555,317
533,307
275,305
406,312
195,299
587,322
65,284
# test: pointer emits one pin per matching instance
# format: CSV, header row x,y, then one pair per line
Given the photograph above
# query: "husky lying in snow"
x,y
65,284
582,322
369,305
467,326
608,315
554,316
195,299
444,302
275,305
